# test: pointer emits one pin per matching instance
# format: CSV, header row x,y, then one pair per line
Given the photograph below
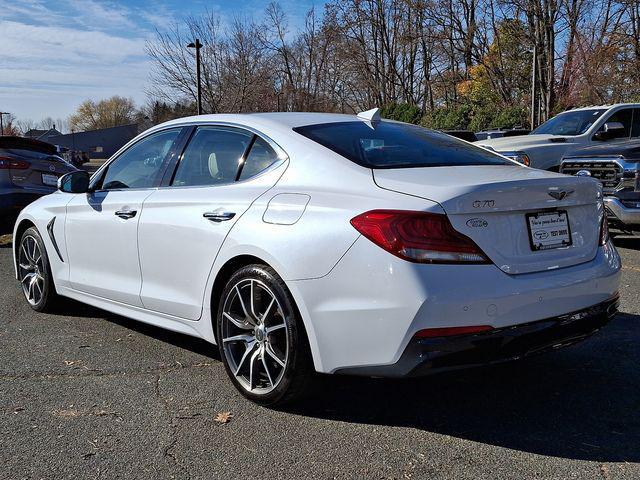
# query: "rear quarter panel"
x,y
333,190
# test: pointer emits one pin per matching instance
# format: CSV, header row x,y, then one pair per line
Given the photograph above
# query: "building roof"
x,y
37,134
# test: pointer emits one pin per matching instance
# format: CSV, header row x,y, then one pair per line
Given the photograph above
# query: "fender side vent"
x,y
53,238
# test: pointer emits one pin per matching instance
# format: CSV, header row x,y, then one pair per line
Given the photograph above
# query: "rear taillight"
x,y
7,163
418,236
604,229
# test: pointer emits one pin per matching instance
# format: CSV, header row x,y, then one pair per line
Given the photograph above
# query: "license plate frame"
x,y
541,237
49,179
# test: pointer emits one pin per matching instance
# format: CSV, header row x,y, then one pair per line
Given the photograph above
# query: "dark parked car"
x,y
467,135
29,169
501,132
617,166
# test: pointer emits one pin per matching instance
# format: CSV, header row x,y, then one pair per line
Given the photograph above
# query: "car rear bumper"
x,y
616,210
424,356
367,310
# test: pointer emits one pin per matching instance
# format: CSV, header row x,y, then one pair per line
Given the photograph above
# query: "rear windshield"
x,y
397,145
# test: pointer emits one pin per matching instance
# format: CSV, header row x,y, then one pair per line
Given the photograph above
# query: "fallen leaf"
x,y
5,240
68,363
223,417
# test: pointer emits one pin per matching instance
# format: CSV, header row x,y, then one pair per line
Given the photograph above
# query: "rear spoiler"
x,y
21,143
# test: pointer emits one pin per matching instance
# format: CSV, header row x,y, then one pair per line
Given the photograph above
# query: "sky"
x,y
54,54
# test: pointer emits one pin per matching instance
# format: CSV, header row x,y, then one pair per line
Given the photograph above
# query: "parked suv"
x,y
617,166
569,131
29,169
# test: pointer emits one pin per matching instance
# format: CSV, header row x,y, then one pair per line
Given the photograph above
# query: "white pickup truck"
x,y
545,146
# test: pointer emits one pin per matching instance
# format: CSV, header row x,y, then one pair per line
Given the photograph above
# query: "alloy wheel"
x,y
254,336
31,269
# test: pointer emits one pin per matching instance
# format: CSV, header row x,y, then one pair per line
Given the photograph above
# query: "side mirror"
x,y
74,182
610,130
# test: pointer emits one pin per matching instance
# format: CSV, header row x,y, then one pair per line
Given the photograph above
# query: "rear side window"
x,y
212,157
261,156
397,145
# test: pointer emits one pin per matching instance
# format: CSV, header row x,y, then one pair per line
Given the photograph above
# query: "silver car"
x,y
29,169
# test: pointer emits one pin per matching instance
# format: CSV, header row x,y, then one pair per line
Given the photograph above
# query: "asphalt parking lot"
x,y
87,394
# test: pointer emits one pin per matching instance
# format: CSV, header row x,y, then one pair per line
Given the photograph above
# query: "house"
x,y
100,144
42,135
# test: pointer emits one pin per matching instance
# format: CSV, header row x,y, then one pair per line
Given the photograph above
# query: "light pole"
x,y
197,45
534,64
2,114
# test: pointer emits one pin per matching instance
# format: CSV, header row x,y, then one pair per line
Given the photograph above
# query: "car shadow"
x,y
73,308
630,242
579,403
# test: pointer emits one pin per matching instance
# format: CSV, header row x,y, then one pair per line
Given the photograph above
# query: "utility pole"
x,y
197,45
533,86
2,114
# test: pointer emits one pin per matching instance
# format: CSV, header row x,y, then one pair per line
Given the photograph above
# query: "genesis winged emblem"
x,y
560,194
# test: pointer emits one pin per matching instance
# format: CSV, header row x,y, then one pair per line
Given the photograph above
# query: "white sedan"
x,y
304,242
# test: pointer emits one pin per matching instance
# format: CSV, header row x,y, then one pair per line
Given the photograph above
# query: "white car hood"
x,y
505,144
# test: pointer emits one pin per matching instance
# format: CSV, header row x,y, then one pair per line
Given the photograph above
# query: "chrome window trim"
x,y
280,152
273,166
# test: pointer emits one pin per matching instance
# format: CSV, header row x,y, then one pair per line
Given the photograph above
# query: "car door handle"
x,y
126,214
219,216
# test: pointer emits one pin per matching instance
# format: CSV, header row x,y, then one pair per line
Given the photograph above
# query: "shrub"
x,y
402,112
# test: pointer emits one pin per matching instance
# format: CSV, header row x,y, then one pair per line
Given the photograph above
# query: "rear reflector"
x,y
418,236
604,230
7,163
452,331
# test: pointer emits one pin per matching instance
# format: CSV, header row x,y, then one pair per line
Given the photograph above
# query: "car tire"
x,y
261,338
34,272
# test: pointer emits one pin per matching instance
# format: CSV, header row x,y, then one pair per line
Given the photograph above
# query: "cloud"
x,y
55,54
102,15
28,42
49,70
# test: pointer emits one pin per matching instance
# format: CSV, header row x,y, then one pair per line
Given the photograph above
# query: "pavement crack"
x,y
174,427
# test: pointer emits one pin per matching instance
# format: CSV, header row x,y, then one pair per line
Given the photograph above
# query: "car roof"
x,y
273,119
614,105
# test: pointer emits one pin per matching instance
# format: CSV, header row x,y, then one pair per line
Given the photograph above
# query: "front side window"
x,y
261,156
397,145
624,117
570,123
212,157
140,164
635,127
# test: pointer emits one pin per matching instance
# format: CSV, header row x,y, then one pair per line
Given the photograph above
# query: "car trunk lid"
x,y
492,206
